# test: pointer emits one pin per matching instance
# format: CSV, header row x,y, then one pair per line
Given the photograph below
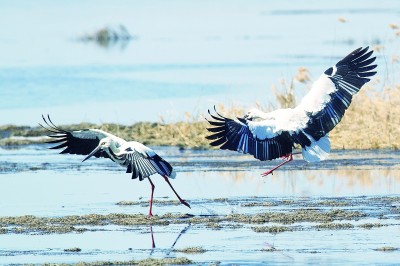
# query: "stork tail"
x,y
318,150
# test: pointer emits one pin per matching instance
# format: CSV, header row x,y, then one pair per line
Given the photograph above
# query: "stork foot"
x,y
179,198
267,173
185,203
286,159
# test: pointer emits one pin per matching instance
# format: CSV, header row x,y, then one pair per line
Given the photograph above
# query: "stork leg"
x,y
181,200
287,159
151,197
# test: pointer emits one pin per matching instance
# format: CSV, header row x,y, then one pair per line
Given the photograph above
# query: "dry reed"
x,y
371,122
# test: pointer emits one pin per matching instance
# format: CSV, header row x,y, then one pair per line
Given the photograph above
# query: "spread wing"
x,y
241,135
332,93
75,142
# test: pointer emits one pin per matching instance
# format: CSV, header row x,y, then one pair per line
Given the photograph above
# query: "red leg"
x,y
287,159
181,200
151,197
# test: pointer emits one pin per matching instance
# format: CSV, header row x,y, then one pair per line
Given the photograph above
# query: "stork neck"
x,y
113,148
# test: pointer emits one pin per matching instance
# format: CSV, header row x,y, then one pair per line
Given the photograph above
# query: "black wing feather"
x,y
352,72
71,143
142,166
235,135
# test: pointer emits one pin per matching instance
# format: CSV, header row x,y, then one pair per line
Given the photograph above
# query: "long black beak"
x,y
92,153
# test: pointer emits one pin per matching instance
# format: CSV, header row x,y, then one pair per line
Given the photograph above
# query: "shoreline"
x,y
185,135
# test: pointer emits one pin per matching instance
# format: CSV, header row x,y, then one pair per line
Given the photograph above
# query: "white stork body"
x,y
272,135
138,159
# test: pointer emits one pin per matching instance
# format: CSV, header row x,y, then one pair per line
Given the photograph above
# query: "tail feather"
x,y
318,150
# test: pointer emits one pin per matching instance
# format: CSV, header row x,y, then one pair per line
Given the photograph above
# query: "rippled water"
x,y
40,182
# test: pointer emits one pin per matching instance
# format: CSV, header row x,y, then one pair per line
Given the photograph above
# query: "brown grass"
x,y
371,122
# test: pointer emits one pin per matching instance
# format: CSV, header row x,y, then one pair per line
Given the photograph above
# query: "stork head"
x,y
253,114
104,143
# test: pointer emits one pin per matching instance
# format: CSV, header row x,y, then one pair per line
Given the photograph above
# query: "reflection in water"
x,y
184,230
153,244
169,250
334,182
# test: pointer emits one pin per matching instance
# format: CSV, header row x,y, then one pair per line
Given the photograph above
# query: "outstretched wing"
x,y
241,135
332,93
143,162
75,142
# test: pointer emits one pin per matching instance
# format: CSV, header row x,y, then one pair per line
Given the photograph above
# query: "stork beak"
x,y
92,153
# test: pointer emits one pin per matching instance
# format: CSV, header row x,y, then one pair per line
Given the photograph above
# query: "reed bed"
x,y
371,122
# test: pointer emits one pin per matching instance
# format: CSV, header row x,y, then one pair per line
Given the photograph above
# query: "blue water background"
x,y
186,55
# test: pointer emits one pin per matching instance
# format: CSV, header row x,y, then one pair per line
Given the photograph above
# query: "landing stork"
x,y
272,135
138,159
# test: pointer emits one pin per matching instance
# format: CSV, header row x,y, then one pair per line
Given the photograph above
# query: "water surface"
x,y
40,182
185,57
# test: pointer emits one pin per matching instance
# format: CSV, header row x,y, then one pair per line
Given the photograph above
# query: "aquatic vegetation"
x,y
271,229
109,36
191,250
334,226
371,225
215,226
259,204
75,249
386,249
146,203
301,215
269,249
74,224
145,262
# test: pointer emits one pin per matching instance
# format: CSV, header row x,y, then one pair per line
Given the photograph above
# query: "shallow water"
x,y
37,181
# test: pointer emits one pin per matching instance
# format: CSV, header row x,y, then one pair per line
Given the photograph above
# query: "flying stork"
x,y
138,159
272,135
